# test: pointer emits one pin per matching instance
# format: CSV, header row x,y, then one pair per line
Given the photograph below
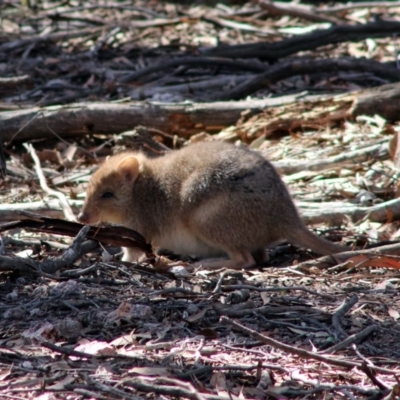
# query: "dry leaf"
x,y
378,261
299,331
96,348
61,384
265,297
125,340
394,149
127,312
4,373
218,381
41,332
198,315
150,371
393,313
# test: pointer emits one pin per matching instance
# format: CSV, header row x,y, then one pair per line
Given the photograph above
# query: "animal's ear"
x,y
129,169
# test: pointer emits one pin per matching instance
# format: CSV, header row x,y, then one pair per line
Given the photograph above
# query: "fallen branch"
x,y
186,119
357,337
300,66
296,10
339,258
297,351
341,312
193,62
319,37
50,265
379,151
114,235
68,213
337,213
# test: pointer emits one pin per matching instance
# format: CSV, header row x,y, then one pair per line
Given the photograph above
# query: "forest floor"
x,y
269,75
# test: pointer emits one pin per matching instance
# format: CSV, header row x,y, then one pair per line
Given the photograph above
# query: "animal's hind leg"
x,y
260,256
238,259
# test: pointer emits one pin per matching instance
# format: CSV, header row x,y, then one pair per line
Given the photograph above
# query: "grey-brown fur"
x,y
208,199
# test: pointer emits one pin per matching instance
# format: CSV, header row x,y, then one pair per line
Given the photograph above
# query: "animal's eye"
x,y
107,195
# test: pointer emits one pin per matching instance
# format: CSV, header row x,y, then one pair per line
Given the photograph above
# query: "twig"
x,y
361,4
68,213
173,290
66,351
184,390
341,312
51,265
73,253
126,7
367,369
351,339
331,386
377,151
294,350
90,394
217,288
295,10
320,37
248,367
286,69
195,62
13,81
276,289
109,389
13,45
327,262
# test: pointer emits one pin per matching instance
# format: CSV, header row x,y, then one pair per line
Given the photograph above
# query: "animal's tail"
x,y
305,238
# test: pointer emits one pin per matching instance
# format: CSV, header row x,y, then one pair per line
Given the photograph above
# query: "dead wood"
x,y
115,235
171,387
340,313
306,12
141,139
377,151
286,69
300,352
321,37
336,213
78,248
11,82
355,338
16,44
164,87
51,208
196,62
323,13
328,261
68,213
382,100
359,4
188,119
3,169
83,119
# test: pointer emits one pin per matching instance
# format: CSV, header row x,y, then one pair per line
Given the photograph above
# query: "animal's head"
x,y
110,190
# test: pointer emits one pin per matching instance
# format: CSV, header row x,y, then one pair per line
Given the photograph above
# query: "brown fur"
x,y
209,199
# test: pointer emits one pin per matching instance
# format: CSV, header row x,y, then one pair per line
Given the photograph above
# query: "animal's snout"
x,y
83,217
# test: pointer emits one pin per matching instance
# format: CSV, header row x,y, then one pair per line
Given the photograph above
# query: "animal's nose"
x,y
82,217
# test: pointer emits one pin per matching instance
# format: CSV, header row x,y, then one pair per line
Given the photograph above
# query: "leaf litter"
x,y
101,328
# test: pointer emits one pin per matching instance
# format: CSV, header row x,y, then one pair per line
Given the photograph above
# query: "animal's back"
x,y
205,170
